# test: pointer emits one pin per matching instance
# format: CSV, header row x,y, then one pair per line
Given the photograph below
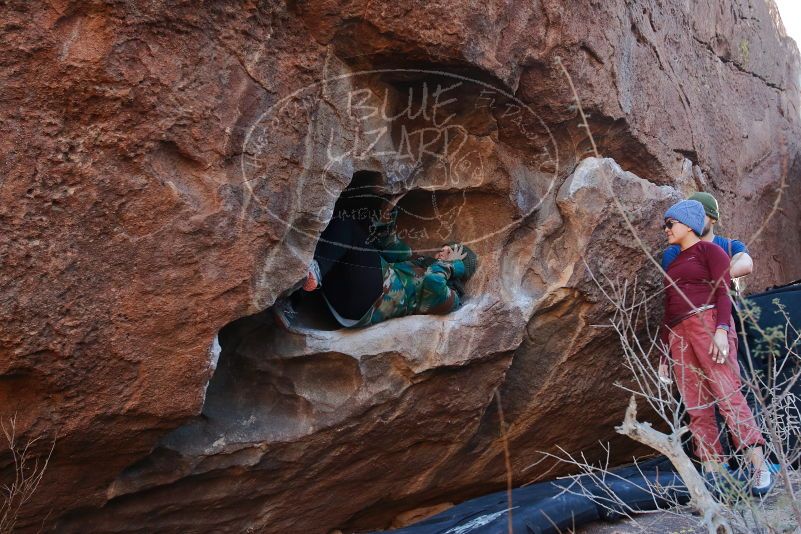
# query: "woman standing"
x,y
696,324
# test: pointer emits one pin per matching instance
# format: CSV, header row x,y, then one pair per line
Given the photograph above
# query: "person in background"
x,y
696,327
741,263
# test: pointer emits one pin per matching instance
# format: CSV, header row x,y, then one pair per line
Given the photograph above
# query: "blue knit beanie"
x,y
689,212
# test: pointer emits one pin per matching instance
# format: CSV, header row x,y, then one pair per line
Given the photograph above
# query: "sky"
x,y
790,10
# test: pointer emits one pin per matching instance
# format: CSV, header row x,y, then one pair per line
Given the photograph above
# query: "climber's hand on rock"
x,y
448,253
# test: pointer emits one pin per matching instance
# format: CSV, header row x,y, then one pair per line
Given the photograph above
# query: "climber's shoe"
x,y
314,279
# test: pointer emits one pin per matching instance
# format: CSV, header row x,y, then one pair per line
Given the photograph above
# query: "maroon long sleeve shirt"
x,y
701,272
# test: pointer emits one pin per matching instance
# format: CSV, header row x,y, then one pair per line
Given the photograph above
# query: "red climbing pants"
x,y
704,384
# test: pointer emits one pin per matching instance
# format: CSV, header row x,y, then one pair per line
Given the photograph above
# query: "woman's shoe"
x,y
762,482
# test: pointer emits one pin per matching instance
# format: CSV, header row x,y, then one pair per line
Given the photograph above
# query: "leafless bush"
x,y
27,470
726,505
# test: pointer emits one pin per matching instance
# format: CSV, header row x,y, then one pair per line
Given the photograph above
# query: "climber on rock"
x,y
369,276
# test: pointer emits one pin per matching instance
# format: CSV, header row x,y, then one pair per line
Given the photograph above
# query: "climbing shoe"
x,y
762,482
314,279
758,484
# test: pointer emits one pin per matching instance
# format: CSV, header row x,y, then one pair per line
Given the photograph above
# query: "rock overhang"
x,y
141,365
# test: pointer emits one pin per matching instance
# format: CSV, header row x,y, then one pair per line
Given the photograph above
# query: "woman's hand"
x,y
719,348
664,373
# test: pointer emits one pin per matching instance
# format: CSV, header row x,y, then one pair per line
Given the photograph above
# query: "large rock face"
x,y
167,170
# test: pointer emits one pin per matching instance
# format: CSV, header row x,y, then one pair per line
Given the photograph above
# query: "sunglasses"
x,y
669,224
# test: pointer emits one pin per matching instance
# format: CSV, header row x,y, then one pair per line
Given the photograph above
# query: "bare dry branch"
x,y
28,470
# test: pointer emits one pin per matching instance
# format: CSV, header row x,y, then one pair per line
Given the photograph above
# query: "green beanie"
x,y
470,260
709,202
